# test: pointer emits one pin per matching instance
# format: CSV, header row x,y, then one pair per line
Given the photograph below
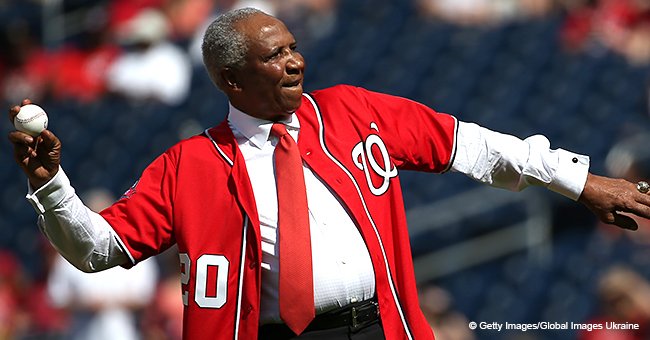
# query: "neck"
x,y
270,116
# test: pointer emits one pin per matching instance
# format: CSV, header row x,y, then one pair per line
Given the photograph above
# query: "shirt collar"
x,y
257,130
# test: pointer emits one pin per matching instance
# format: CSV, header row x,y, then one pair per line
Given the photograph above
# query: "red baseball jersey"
x,y
197,194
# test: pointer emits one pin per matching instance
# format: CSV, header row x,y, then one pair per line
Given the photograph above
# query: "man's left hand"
x,y
609,198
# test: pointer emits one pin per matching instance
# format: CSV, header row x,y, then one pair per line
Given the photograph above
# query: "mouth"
x,y
293,83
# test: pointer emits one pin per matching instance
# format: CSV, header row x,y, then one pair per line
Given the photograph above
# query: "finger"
x,y
17,137
641,197
49,140
24,145
49,137
13,111
625,222
22,153
642,206
635,202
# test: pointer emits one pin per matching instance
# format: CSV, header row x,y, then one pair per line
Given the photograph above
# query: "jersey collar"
x,y
257,130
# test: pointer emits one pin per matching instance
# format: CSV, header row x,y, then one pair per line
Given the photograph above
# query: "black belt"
x,y
355,315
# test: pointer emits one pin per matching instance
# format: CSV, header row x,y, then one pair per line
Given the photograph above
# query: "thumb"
x,y
49,140
622,221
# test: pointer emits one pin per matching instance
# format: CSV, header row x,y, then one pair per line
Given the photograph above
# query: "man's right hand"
x,y
40,161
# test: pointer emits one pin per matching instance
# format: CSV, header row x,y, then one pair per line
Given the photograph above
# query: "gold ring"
x,y
643,187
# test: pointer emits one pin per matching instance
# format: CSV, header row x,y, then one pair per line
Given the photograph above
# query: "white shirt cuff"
x,y
571,174
51,194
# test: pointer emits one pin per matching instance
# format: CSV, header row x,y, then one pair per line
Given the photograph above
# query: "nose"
x,y
295,63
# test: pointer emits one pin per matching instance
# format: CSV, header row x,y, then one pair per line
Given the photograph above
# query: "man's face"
x,y
271,80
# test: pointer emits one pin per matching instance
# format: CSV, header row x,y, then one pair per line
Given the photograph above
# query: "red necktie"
x,y
296,282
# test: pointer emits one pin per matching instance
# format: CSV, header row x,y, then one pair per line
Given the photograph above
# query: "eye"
x,y
274,54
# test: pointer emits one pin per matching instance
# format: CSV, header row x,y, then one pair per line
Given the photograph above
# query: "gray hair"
x,y
223,45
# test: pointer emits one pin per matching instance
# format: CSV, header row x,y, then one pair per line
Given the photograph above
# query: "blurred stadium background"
x,y
481,254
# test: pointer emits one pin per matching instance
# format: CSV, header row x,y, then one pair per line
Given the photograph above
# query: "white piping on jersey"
x,y
223,154
241,276
321,136
453,147
242,262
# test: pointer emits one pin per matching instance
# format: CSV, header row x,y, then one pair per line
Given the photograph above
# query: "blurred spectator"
x,y
121,12
630,158
80,67
447,323
151,68
309,20
187,16
576,30
483,12
622,26
624,296
103,305
98,199
163,318
24,64
13,320
46,321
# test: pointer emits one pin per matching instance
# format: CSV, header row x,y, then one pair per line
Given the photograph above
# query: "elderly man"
x,y
288,216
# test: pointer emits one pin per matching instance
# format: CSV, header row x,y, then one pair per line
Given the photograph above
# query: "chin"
x,y
292,106
296,107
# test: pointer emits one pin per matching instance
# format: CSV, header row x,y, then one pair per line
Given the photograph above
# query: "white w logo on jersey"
x,y
362,156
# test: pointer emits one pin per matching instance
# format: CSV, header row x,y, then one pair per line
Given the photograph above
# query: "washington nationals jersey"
x,y
198,195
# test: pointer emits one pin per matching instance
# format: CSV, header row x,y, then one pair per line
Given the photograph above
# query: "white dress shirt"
x,y
342,269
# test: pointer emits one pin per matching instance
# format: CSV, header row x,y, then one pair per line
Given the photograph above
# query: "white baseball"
x,y
31,119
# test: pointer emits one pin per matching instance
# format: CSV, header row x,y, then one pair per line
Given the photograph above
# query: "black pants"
x,y
373,331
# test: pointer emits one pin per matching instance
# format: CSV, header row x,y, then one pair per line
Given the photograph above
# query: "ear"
x,y
228,77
